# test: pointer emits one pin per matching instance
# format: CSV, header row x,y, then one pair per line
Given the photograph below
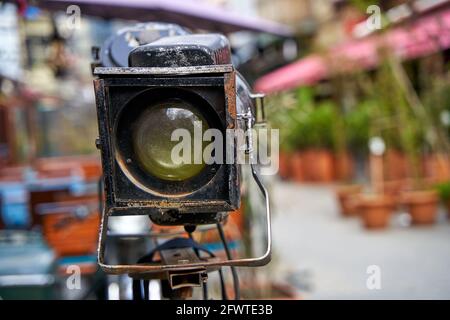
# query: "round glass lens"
x,y
157,154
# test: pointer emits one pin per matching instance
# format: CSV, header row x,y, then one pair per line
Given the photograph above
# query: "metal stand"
x,y
187,265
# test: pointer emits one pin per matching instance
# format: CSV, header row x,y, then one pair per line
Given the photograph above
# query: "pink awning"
x,y
188,13
424,36
304,72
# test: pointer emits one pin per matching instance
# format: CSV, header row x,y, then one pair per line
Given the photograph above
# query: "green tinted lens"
x,y
152,140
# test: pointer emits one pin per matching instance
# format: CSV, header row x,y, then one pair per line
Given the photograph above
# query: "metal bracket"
x,y
185,278
248,119
260,113
172,266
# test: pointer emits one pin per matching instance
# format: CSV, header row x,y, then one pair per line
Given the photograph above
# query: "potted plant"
x,y
431,108
375,209
443,190
356,126
422,206
435,94
420,201
284,164
346,195
285,169
307,135
397,165
294,140
319,142
436,167
296,166
279,109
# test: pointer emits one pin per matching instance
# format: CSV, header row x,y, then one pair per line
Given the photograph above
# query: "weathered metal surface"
x,y
230,99
135,71
104,147
183,278
116,49
217,192
183,51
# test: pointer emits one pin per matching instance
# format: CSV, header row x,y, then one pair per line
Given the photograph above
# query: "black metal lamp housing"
x,y
169,83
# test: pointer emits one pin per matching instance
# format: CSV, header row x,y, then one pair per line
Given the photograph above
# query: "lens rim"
x,y
125,154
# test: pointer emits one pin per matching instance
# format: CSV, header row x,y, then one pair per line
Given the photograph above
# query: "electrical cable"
x,y
237,290
205,291
222,281
222,285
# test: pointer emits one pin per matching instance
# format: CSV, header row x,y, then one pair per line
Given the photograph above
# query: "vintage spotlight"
x,y
173,80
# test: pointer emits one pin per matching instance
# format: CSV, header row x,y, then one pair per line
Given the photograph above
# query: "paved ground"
x,y
327,256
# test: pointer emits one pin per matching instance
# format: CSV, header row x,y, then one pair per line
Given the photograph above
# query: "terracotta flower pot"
x,y
395,187
346,199
318,165
375,210
436,167
396,165
422,206
296,167
344,165
284,167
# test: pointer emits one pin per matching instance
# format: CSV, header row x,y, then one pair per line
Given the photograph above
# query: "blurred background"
x,y
359,90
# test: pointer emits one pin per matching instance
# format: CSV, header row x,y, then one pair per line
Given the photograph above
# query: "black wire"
x,y
222,281
205,291
222,285
237,290
205,285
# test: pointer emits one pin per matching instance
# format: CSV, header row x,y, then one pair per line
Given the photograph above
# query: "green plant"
x,y
279,109
357,125
399,99
314,126
444,191
301,122
433,79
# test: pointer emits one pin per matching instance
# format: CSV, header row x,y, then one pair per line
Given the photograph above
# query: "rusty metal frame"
x,y
117,76
150,268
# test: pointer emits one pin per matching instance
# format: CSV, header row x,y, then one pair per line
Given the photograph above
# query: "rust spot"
x,y
230,98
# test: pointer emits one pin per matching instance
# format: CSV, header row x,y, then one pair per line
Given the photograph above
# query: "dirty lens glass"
x,y
153,146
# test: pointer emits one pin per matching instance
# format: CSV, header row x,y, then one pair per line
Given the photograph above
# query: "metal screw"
x,y
97,143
